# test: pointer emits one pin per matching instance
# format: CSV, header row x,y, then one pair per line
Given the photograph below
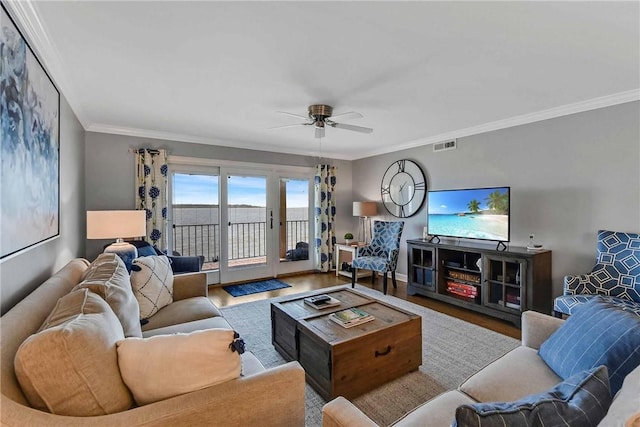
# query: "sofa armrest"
x,y
190,285
274,397
537,327
341,413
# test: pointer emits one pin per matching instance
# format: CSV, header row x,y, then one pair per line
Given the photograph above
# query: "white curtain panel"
x,y
151,194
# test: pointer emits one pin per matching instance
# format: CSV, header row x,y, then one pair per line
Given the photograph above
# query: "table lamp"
x,y
118,225
364,210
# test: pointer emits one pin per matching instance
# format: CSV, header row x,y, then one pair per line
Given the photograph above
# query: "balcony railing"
x,y
246,239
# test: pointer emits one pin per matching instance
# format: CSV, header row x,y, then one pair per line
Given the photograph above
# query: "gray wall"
x,y
22,273
110,173
569,177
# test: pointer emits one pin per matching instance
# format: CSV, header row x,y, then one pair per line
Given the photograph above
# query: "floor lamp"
x,y
364,210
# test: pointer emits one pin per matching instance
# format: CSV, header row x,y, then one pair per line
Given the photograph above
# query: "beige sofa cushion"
x,y
183,311
185,328
439,411
164,366
71,367
107,276
152,282
519,373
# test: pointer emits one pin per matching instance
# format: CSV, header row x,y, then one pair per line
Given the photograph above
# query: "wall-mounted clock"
x,y
403,188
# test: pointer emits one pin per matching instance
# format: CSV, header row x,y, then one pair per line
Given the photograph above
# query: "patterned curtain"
x,y
151,182
324,213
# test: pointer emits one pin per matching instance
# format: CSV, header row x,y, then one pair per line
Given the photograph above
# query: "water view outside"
x,y
197,230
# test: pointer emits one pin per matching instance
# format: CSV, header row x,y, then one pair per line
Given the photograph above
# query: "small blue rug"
x,y
255,287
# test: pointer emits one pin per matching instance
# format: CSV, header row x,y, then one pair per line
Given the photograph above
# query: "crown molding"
x,y
551,113
169,136
25,14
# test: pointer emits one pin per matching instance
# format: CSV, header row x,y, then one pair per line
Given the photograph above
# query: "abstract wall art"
x,y
30,145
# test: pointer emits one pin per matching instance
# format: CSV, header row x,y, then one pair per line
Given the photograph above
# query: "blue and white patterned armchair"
x,y
616,275
381,256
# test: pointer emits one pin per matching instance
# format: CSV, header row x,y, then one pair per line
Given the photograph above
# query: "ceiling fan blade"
x,y
319,132
351,115
291,126
352,127
293,115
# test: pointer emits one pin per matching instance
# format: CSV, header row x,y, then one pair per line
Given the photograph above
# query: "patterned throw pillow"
x,y
152,283
598,333
581,400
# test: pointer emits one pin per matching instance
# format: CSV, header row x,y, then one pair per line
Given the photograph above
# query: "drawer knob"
x,y
384,353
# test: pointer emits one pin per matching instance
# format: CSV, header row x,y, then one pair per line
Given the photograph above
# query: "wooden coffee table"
x,y
342,361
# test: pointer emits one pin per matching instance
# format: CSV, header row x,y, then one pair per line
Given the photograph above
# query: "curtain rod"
x,y
135,150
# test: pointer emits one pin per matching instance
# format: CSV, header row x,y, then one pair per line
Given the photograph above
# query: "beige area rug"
x,y
452,350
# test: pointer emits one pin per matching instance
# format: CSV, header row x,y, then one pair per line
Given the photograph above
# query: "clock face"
x,y
403,188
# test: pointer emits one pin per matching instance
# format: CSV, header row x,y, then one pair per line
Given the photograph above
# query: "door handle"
x,y
271,223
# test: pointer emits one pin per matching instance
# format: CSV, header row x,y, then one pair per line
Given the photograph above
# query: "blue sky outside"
x,y
247,190
456,201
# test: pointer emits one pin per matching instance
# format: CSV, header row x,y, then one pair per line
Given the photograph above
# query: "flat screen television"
x,y
475,213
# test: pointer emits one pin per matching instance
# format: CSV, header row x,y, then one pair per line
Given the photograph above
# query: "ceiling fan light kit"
x,y
320,116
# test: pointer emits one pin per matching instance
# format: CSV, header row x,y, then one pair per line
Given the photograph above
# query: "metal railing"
x,y
246,239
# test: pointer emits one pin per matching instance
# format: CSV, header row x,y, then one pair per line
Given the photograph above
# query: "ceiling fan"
x,y
320,116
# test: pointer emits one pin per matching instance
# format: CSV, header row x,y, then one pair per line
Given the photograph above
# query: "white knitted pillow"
x,y
152,283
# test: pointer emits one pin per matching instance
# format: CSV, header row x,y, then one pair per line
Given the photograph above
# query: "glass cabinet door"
x,y
505,279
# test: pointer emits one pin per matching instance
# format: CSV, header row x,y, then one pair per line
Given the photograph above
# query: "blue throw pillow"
x,y
598,333
582,400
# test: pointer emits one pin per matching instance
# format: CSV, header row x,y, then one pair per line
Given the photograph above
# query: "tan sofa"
x,y
517,374
247,400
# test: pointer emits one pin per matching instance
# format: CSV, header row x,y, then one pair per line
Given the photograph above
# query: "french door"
x,y
245,223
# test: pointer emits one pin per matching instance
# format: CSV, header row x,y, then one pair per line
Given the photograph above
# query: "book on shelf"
x,y
510,305
351,317
320,302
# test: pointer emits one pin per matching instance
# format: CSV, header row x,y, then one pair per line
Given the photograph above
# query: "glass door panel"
x,y
195,217
294,231
248,226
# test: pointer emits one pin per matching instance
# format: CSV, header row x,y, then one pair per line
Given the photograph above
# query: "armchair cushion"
x,y
583,399
164,366
152,282
599,333
568,303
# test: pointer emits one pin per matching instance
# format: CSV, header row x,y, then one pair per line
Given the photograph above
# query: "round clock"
x,y
403,188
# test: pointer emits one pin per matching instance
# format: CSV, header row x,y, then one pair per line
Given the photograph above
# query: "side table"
x,y
346,253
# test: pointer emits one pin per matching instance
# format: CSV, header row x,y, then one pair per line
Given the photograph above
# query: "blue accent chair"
x,y
616,276
381,256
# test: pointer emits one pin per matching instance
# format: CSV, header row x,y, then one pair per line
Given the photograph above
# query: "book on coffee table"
x,y
320,302
351,317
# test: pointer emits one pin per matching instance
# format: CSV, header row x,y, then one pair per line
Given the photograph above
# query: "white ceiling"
x,y
419,72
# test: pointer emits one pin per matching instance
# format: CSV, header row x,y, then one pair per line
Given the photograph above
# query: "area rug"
x,y
452,350
255,287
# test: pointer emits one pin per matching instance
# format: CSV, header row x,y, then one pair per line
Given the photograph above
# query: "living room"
x,y
570,156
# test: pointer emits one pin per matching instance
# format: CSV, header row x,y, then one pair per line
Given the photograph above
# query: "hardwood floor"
x,y
311,281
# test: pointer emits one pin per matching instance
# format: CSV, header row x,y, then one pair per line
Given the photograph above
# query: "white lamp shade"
x,y
116,224
365,208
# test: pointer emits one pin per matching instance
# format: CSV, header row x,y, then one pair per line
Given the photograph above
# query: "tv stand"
x,y
434,239
501,246
498,282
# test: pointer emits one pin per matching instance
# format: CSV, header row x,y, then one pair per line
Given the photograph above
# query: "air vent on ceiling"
x,y
447,145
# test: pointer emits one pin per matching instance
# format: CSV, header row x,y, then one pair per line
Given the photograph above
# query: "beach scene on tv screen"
x,y
475,214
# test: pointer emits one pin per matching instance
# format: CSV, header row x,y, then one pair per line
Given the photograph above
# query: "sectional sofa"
x,y
246,400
